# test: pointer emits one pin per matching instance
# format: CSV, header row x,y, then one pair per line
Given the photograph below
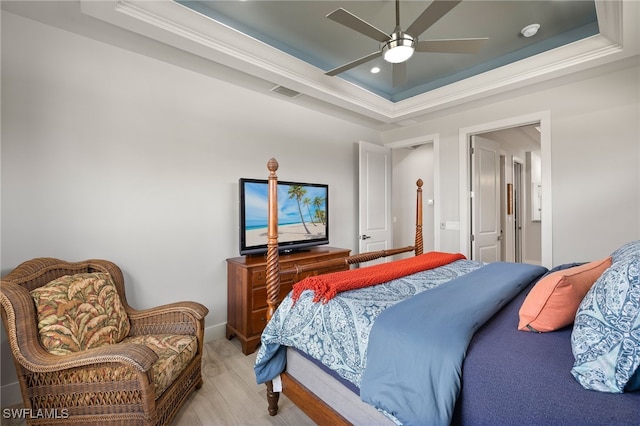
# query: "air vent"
x,y
408,122
285,91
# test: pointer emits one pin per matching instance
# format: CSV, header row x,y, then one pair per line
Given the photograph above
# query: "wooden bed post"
x,y
273,258
419,245
273,265
315,408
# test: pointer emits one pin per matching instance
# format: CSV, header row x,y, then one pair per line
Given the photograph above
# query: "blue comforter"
x,y
337,333
417,347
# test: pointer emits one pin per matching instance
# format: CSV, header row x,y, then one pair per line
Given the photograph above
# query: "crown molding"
x,y
183,28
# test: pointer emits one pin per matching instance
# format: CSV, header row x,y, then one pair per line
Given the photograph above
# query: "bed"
x,y
440,339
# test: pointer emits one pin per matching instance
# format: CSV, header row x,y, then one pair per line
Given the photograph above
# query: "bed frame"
x,y
308,402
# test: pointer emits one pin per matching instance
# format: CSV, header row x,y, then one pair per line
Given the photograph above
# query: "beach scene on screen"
x,y
302,213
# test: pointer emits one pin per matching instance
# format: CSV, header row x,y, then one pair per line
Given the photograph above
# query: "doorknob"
x,y
364,237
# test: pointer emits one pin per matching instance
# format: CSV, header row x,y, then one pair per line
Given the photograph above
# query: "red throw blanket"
x,y
328,285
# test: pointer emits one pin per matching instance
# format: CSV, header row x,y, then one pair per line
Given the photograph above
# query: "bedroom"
x,y
122,148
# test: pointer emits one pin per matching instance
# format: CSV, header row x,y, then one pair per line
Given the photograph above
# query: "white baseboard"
x,y
10,393
215,332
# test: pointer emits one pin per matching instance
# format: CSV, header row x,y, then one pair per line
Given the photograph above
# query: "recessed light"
x,y
530,30
375,70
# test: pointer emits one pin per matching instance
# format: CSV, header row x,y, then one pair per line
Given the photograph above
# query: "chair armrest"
x,y
137,356
172,318
198,310
19,316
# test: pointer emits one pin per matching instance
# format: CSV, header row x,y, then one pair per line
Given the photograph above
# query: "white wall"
x,y
595,149
111,154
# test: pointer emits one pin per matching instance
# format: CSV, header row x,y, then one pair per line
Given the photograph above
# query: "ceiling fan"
x,y
400,45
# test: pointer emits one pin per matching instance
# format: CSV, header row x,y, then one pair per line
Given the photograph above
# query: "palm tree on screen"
x,y
321,217
307,203
297,192
317,203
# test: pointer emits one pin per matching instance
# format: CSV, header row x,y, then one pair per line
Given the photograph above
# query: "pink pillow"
x,y
553,302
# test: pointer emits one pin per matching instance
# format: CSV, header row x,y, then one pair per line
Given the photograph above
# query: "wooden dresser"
x,y
247,294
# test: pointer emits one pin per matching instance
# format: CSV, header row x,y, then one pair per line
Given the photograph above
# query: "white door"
x,y
485,200
375,199
518,218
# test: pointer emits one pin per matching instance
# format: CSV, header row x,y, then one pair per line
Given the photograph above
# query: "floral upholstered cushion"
x,y
78,312
174,353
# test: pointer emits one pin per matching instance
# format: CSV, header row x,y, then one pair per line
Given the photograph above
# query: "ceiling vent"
x,y
408,122
285,91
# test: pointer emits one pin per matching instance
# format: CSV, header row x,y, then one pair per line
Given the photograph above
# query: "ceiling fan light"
x,y
399,48
398,54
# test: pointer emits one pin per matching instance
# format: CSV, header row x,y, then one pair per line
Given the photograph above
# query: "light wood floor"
x,y
229,395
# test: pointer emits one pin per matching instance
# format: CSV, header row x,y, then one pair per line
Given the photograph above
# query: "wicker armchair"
x,y
109,384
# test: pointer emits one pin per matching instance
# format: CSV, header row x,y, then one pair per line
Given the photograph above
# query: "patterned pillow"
x,y
78,312
630,249
606,333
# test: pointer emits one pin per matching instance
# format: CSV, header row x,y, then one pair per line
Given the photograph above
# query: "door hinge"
x,y
473,238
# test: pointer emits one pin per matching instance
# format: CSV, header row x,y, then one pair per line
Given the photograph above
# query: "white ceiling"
x,y
206,45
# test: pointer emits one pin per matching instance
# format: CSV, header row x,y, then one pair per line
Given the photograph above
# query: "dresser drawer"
x,y
259,277
258,321
247,293
260,295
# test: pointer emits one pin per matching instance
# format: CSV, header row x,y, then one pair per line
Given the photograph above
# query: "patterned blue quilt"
x,y
337,333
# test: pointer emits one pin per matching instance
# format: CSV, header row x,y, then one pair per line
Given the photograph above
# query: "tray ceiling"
x,y
284,48
301,29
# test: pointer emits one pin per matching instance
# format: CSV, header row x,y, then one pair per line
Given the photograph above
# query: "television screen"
x,y
303,219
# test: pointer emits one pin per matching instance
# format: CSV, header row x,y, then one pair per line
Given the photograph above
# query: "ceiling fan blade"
x,y
459,45
431,15
399,74
353,64
350,20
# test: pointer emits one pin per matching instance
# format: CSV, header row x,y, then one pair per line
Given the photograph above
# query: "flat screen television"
x,y
303,219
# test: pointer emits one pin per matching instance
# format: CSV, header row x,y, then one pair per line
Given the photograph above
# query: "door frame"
x,y
420,140
519,225
464,133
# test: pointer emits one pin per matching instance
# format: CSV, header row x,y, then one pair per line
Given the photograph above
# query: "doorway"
x,y
385,222
414,159
500,182
518,224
